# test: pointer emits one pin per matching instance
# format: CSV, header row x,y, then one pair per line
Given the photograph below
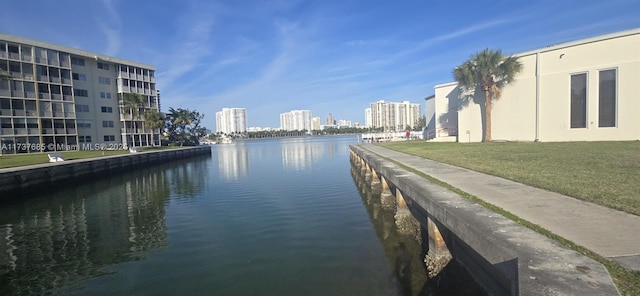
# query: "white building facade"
x,y
368,120
586,90
61,98
296,120
394,116
316,124
231,120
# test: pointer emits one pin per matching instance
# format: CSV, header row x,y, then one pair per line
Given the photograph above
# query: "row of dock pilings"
x,y
391,197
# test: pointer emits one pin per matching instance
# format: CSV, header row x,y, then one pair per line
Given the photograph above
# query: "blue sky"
x,y
327,56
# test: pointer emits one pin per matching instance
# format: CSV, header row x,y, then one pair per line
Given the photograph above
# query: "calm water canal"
x,y
271,217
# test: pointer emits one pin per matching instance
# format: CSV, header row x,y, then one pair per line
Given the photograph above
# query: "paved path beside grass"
x,y
610,233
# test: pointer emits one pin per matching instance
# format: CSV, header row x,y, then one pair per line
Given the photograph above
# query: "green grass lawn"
x,y
607,173
16,160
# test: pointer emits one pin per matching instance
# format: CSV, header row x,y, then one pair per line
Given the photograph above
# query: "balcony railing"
x,y
5,112
68,98
32,113
46,114
136,130
44,96
18,112
6,131
33,131
20,131
14,55
55,79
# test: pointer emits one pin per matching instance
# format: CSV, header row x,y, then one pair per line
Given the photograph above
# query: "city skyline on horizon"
x,y
362,123
272,57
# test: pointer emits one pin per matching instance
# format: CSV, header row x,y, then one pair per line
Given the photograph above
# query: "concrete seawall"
x,y
503,256
50,174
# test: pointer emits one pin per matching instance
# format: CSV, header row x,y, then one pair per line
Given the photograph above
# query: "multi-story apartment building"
x,y
60,98
368,120
344,123
315,124
231,120
330,120
393,116
296,120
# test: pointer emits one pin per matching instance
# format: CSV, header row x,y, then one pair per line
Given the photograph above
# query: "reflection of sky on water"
x,y
233,161
301,154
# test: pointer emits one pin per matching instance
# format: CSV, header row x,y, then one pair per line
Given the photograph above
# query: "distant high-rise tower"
x,y
330,120
231,120
394,116
367,118
315,124
296,120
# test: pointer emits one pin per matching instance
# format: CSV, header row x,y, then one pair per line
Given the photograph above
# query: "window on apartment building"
x,y
607,98
105,95
104,80
83,123
82,108
84,139
77,61
107,123
103,66
109,138
80,92
105,109
579,100
79,76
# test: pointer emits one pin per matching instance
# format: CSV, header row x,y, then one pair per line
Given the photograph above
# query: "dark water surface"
x,y
272,217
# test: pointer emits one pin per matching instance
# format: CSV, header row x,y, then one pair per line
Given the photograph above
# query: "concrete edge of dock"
x,y
52,174
506,258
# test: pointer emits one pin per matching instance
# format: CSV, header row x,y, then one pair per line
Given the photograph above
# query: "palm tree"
x,y
491,71
153,119
131,103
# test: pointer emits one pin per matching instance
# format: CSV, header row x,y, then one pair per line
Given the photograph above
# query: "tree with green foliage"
x,y
131,104
183,127
490,71
154,119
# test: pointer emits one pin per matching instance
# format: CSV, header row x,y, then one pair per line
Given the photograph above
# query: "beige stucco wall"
x,y
514,114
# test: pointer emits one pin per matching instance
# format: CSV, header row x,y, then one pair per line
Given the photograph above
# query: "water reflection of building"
x,y
301,154
233,161
70,235
187,179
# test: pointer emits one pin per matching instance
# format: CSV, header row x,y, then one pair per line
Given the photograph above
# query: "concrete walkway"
x,y
607,232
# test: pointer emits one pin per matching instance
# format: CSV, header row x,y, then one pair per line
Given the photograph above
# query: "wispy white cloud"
x,y
111,28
